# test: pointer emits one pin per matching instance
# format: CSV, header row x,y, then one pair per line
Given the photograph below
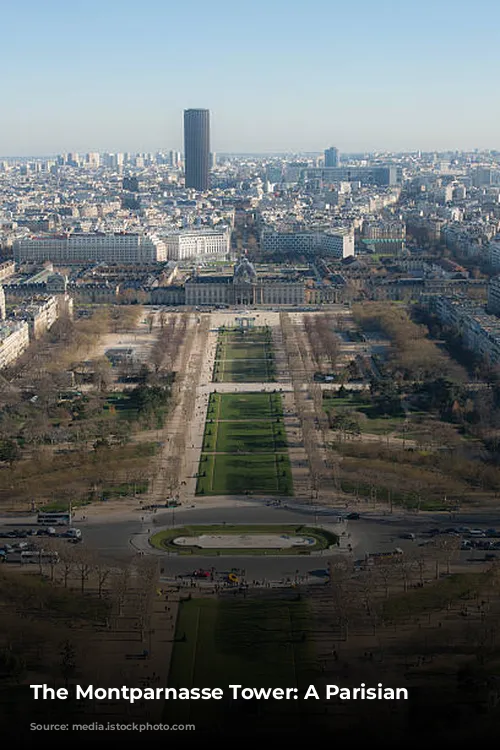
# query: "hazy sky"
x,y
85,75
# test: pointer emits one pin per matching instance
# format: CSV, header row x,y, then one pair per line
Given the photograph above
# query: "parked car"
x,y
200,573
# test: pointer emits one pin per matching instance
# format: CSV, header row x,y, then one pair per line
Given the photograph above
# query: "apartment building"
x,y
41,316
7,268
76,247
338,244
494,296
375,175
197,244
14,340
480,331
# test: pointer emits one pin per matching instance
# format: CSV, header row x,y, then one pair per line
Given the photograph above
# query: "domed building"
x,y
244,283
245,287
244,270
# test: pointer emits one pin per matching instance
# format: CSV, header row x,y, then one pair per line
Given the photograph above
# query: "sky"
x,y
276,75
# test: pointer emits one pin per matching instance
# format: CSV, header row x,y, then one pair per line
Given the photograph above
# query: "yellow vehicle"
x,y
232,578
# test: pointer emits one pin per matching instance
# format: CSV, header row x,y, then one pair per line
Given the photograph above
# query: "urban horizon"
x,y
286,153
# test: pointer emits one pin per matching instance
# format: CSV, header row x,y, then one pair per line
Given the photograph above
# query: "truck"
x,y
40,557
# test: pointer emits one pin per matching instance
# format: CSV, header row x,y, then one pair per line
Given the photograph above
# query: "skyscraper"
x,y
197,148
331,157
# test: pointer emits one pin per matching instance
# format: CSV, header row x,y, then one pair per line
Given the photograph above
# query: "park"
x,y
244,355
244,446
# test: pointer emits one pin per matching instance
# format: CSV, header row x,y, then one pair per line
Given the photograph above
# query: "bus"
x,y
40,557
55,519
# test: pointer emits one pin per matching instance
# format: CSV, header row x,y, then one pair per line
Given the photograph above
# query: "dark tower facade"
x,y
332,157
197,148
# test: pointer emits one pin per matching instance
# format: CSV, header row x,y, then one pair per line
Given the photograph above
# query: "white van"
x,y
73,533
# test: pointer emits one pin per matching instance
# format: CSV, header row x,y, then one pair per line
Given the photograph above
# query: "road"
x,y
120,540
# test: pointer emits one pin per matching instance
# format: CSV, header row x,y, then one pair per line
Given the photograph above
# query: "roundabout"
x,y
244,540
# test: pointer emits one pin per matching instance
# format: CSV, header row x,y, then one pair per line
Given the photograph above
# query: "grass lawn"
x,y
255,642
376,424
233,474
381,425
234,406
258,333
244,357
243,371
265,436
244,351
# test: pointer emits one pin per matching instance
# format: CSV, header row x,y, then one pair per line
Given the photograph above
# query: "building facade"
x,y
244,288
182,245
197,148
376,175
85,247
41,316
480,332
494,296
338,244
14,340
331,157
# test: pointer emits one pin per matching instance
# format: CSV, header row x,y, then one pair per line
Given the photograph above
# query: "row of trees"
x,y
189,366
170,339
323,342
309,405
413,355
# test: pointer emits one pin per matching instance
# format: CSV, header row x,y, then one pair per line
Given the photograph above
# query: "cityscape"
x,y
250,373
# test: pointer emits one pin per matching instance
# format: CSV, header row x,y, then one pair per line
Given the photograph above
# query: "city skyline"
x,y
284,78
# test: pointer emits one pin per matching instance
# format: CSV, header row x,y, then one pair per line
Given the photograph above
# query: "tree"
x,y
103,573
68,662
9,451
103,375
83,565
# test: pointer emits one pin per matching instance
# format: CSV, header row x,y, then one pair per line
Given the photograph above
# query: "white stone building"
x,y
188,244
14,340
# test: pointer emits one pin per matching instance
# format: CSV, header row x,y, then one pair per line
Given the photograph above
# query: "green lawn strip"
x,y
241,474
251,405
244,377
254,642
245,437
245,351
283,474
279,433
243,371
204,482
215,442
209,437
